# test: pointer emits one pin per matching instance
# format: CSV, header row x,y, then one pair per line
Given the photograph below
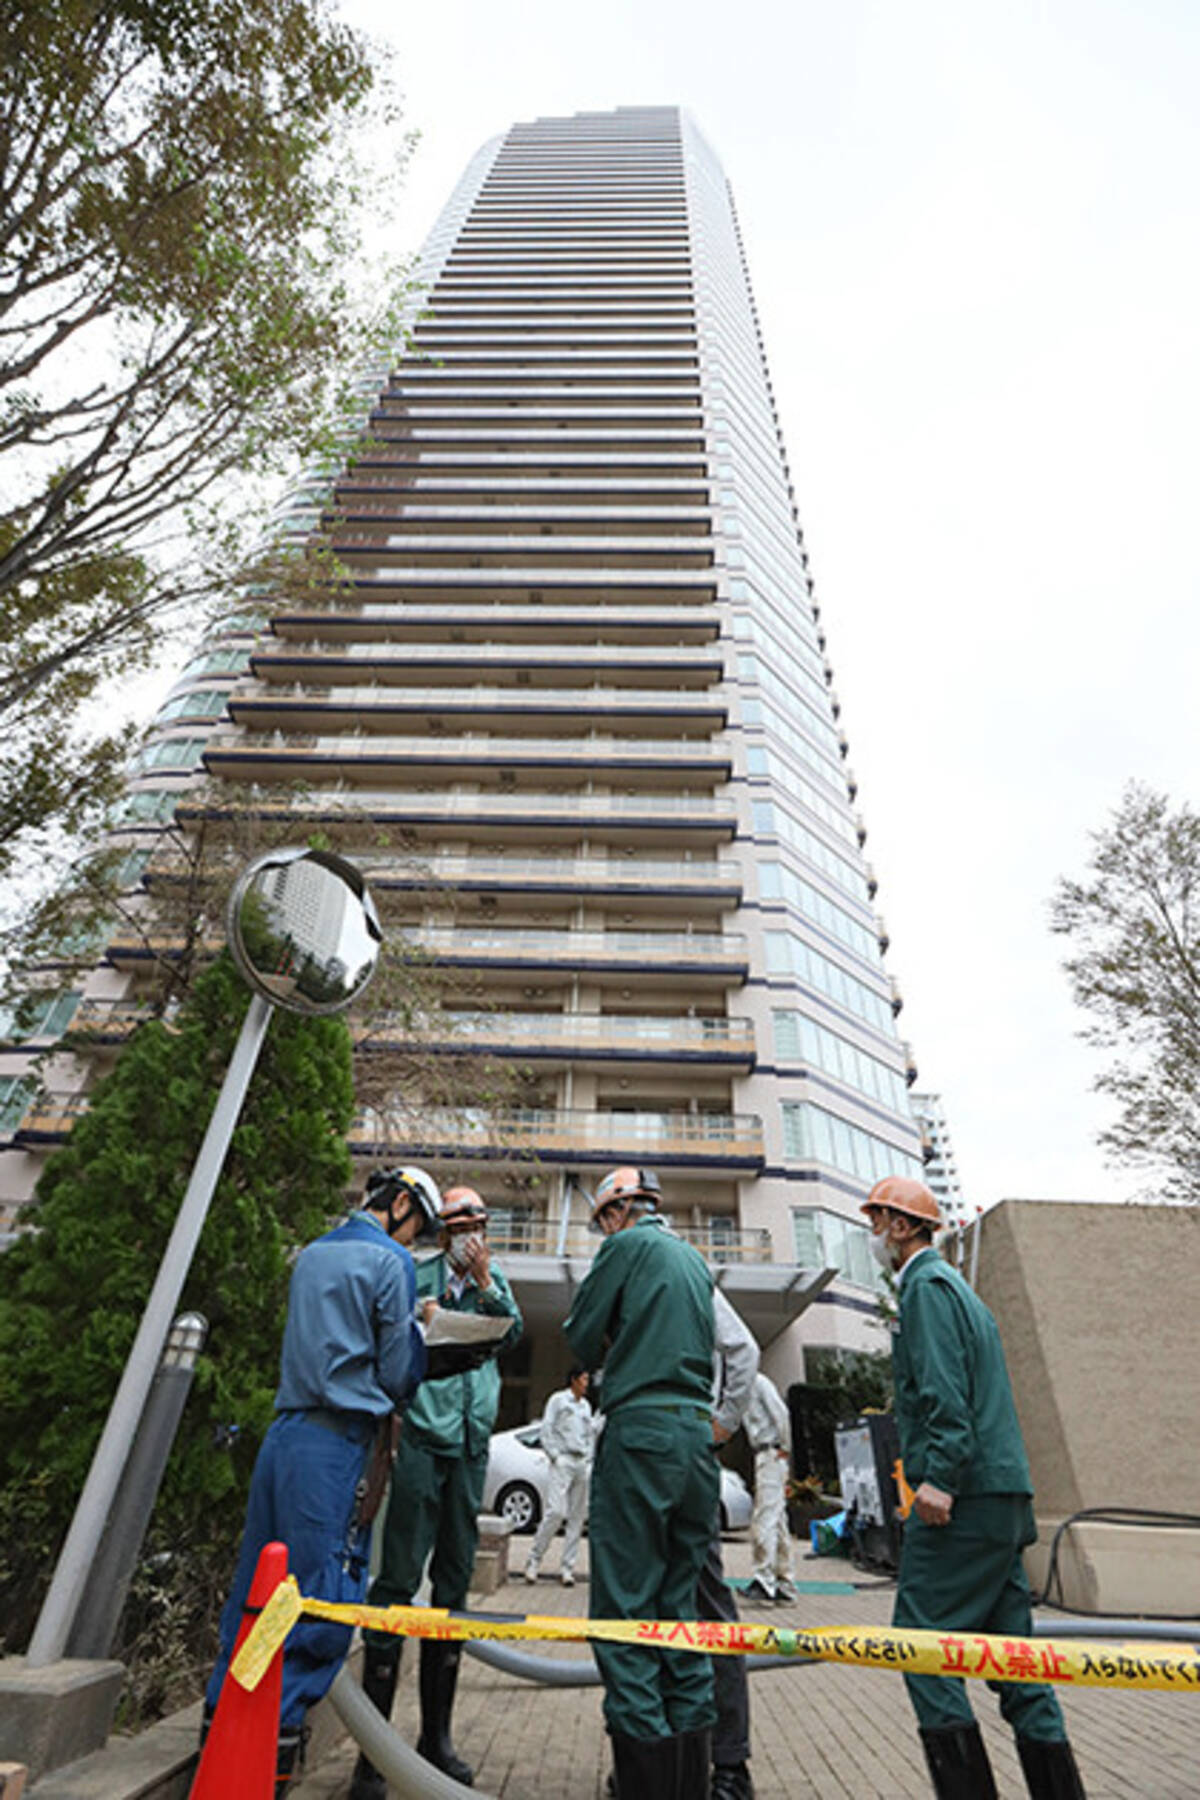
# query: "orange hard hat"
x,y
900,1194
462,1206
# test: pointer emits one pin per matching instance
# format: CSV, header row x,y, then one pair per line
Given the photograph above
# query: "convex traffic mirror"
x,y
304,931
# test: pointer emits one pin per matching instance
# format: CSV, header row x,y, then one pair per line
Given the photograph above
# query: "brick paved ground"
x,y
819,1733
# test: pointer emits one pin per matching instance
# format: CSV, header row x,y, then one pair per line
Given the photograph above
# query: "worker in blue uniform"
x,y
972,1515
437,1488
646,1308
353,1353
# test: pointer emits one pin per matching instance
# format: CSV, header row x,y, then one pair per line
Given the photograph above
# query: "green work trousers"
x,y
654,1497
967,1576
434,1506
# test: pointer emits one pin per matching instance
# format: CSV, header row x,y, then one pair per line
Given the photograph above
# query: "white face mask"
x,y
881,1250
461,1245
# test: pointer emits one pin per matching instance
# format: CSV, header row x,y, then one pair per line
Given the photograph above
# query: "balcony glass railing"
x,y
638,1034
586,946
545,1237
581,700
681,656
518,871
51,1116
715,809
495,748
108,1018
525,1131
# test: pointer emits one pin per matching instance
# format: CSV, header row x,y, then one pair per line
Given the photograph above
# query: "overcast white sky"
x,y
972,236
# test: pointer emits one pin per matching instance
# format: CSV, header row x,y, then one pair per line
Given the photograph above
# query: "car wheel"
x,y
519,1504
724,1526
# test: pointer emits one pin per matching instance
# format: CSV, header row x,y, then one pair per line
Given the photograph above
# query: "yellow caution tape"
x,y
267,1633
974,1655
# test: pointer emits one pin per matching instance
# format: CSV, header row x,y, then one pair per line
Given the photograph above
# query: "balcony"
x,y
546,1237
697,955
369,757
593,1037
582,616
596,875
697,1140
108,1021
373,706
50,1119
538,816
688,665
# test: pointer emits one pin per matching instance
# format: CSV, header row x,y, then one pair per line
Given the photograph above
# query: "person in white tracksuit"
x,y
769,1430
568,1438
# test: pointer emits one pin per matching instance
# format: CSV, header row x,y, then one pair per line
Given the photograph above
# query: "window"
x,y
824,1239
45,1016
172,753
16,1092
789,954
810,1134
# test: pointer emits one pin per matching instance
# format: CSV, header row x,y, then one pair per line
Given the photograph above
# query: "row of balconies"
x,y
692,665
369,757
566,406
720,957
727,1140
373,707
558,1035
720,1242
535,552
514,518
504,614
702,818
587,874
248,761
673,1139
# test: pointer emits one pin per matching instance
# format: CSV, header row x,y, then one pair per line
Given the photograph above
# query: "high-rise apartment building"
x,y
577,675
941,1168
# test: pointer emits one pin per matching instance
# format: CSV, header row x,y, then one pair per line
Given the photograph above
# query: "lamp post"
x,y
305,935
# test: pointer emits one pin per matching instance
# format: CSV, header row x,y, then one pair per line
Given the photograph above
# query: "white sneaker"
x,y
531,1573
568,1580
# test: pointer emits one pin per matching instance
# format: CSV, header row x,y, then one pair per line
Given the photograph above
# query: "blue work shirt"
x,y
351,1343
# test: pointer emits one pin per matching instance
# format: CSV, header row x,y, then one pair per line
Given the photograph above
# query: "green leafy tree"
x,y
1133,924
185,189
72,1292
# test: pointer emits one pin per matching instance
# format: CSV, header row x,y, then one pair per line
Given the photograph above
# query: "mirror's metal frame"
x,y
276,859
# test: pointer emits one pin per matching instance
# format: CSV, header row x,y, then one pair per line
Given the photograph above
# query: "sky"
x,y
972,238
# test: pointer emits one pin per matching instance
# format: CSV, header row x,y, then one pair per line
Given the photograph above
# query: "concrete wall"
x,y
1099,1310
1099,1307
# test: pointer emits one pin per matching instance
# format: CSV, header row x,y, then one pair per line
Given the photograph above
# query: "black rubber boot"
x,y
439,1679
731,1781
647,1768
694,1757
381,1669
959,1763
1050,1770
289,1760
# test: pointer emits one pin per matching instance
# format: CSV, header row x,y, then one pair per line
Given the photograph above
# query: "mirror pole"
x,y
61,1604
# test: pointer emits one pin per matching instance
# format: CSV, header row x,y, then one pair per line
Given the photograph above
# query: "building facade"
x,y
569,704
941,1168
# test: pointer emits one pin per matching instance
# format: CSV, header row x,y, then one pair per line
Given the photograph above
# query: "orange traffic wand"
x,y
239,1754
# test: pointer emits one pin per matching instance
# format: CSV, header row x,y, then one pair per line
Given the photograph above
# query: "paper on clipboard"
x,y
447,1327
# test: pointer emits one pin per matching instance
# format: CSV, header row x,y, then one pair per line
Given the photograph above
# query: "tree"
x,y
183,201
1134,927
72,1291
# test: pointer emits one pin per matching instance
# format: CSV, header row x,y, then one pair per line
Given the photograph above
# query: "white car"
x,y
518,1479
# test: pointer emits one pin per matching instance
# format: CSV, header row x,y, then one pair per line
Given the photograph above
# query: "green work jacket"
x,y
455,1416
648,1297
954,1404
